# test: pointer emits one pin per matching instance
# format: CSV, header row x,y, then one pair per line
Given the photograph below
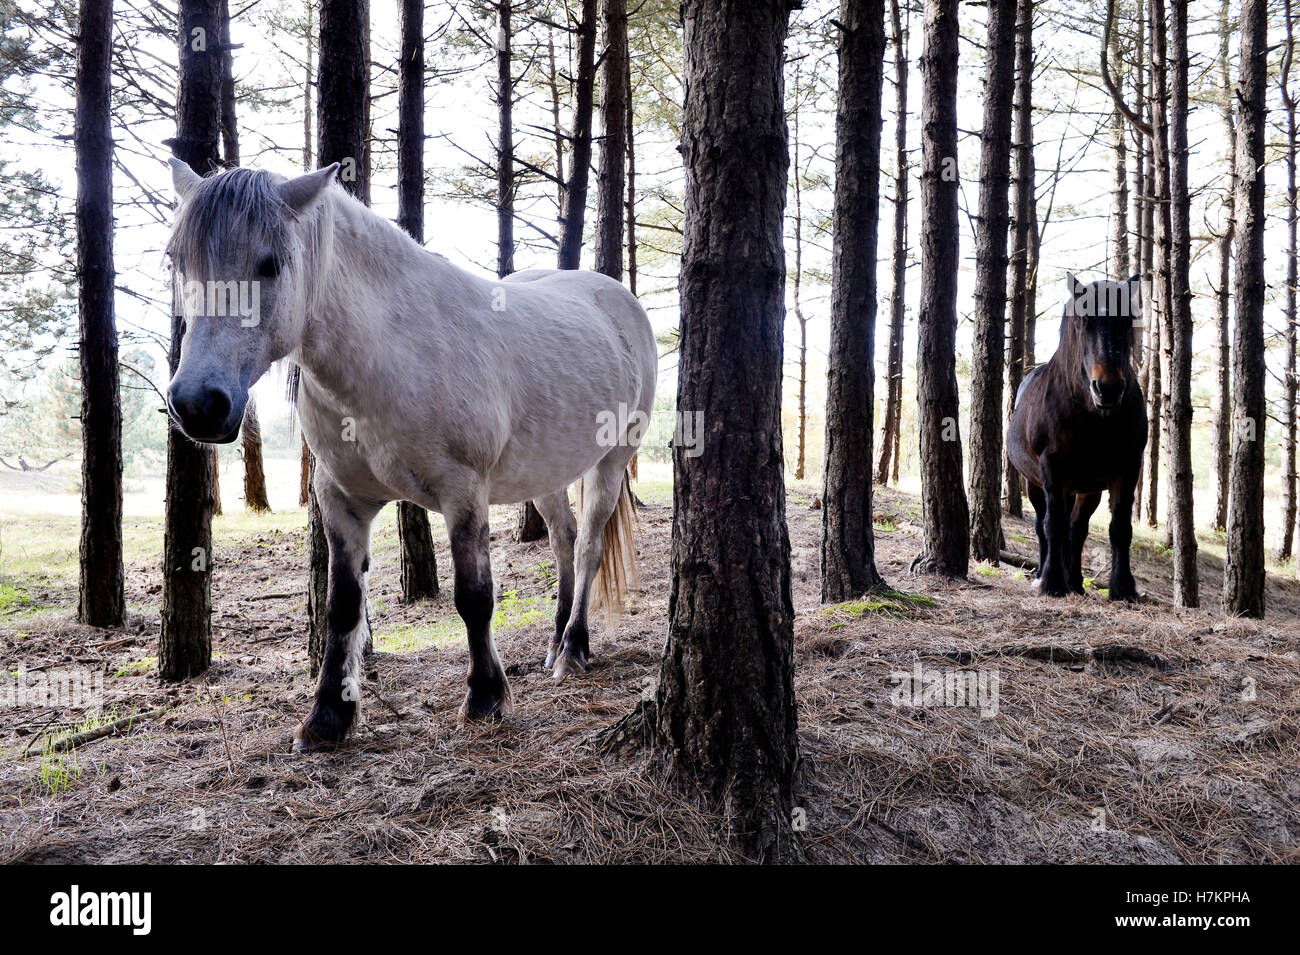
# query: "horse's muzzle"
x,y
1106,395
204,413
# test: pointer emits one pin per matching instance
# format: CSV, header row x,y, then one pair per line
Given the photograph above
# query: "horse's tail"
x,y
617,575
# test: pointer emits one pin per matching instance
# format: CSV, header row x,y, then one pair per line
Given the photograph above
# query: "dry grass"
x,y
1175,760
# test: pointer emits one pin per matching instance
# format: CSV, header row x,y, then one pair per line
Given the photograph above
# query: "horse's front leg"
x,y
347,523
1084,507
488,696
1122,585
1056,529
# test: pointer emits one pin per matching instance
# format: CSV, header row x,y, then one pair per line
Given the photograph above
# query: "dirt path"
x,y
1098,734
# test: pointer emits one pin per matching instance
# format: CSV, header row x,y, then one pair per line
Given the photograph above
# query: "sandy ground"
x,y
1117,733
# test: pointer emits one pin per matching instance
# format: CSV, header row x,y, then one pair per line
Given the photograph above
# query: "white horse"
x,y
419,382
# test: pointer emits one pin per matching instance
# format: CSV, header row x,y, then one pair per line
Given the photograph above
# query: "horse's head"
x,y
244,246
1097,332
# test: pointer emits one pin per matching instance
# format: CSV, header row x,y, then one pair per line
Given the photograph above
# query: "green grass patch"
x,y
892,603
886,526
512,612
136,667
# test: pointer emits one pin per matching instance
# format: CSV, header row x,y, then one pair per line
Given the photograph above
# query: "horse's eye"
x,y
268,268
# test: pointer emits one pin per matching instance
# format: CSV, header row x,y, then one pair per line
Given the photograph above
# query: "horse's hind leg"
x,y
338,693
561,529
1084,506
488,696
600,490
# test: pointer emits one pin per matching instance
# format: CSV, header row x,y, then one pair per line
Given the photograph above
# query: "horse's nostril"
x,y
202,411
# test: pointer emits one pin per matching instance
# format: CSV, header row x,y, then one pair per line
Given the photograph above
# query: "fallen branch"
x,y
1111,653
1015,560
109,729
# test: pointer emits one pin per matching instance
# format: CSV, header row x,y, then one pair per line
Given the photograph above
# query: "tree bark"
x,y
185,644
725,703
343,92
505,140
214,459
799,317
304,475
1021,222
611,179
229,121
255,497
1289,383
897,305
1243,578
101,589
991,284
419,562
1186,586
630,128
574,209
1221,425
946,545
848,545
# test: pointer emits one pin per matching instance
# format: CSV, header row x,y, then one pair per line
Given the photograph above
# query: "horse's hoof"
x,y
484,707
323,729
1036,583
550,659
1052,590
1124,597
569,662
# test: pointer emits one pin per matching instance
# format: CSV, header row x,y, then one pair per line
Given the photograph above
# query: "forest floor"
x,y
1104,733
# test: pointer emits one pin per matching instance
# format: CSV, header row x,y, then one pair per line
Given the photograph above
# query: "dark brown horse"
x,y
1079,428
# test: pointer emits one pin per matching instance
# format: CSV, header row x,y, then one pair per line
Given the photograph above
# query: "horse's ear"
x,y
1074,286
1135,299
300,193
184,179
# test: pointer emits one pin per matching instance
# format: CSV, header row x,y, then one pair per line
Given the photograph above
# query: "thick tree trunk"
x,y
1021,222
341,128
1243,578
946,546
848,545
255,497
1186,586
1221,425
991,285
1119,255
1164,291
185,644
574,210
419,563
1289,310
725,703
610,181
897,305
101,590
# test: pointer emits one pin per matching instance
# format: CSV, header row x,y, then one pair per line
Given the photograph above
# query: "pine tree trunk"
x,y
1021,218
1221,426
725,704
1289,309
1243,579
1186,586
799,317
101,590
342,98
304,476
897,304
946,546
419,563
613,144
574,210
630,129
255,497
991,284
848,545
1163,282
505,140
229,123
1119,255
185,644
